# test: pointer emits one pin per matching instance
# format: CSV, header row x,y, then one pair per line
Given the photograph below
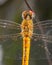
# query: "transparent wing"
x,y
9,29
45,24
46,38
44,41
9,24
43,33
9,33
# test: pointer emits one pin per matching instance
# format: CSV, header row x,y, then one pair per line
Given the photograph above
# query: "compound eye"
x,y
23,14
32,14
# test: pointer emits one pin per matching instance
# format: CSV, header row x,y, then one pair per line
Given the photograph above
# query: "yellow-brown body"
x,y
27,31
26,50
27,28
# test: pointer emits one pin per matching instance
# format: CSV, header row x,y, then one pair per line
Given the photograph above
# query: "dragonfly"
x,y
26,30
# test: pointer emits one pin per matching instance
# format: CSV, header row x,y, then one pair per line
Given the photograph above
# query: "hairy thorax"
x,y
27,28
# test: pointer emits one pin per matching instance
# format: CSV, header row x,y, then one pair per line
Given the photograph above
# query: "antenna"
x,y
28,5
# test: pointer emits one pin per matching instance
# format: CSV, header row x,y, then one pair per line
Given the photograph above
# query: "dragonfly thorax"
x,y
27,28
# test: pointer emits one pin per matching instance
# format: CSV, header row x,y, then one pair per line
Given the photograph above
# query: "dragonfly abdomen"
x,y
26,50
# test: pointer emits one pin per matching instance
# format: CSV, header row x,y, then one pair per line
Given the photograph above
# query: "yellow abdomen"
x,y
26,50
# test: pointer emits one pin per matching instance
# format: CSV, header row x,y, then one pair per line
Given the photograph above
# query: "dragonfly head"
x,y
28,14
